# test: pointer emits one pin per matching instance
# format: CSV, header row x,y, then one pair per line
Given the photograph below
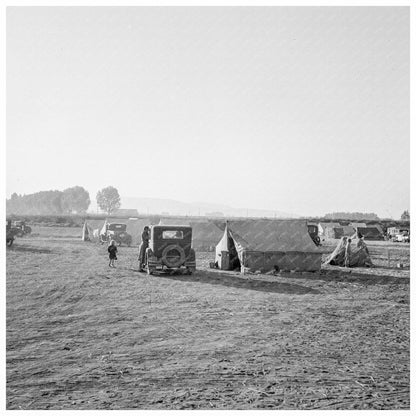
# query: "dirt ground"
x,y
81,335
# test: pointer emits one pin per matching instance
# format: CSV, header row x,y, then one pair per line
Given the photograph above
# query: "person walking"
x,y
112,250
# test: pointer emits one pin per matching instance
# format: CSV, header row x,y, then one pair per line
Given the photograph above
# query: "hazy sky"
x,y
303,110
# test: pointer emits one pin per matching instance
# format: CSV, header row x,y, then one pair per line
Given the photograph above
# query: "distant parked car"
x,y
21,228
11,233
118,233
402,237
170,249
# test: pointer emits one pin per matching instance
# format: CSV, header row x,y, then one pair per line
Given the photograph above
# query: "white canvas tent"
x,y
326,229
91,229
358,254
104,228
86,232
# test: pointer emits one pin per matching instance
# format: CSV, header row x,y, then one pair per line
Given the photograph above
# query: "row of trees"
x,y
357,216
352,216
75,200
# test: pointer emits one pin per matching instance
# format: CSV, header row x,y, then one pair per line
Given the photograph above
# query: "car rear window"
x,y
172,235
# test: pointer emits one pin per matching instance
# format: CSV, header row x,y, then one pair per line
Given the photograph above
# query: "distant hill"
x,y
173,207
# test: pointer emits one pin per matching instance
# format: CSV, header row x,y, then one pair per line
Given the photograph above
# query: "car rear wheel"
x,y
173,256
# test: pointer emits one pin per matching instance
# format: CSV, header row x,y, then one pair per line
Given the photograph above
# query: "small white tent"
x,y
91,228
86,232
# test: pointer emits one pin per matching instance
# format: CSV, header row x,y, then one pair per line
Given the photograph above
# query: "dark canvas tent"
x,y
205,235
348,230
379,228
358,224
267,245
174,221
342,231
134,227
370,233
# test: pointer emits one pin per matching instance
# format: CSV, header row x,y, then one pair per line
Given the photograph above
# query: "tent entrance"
x,y
234,261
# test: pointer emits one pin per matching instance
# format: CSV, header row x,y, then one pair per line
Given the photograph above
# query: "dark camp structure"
x,y
369,233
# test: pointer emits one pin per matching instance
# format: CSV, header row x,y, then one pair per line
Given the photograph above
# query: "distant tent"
x,y
205,235
86,232
336,232
174,221
379,228
123,212
92,228
326,229
358,224
104,228
134,226
348,230
369,233
359,255
343,231
267,245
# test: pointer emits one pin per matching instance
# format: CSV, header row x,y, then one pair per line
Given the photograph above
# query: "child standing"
x,y
112,250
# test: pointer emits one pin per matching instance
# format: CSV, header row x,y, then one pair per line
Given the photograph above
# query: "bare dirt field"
x,y
81,335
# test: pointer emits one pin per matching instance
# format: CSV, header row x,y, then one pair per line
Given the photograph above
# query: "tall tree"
x,y
405,216
108,199
75,200
39,203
